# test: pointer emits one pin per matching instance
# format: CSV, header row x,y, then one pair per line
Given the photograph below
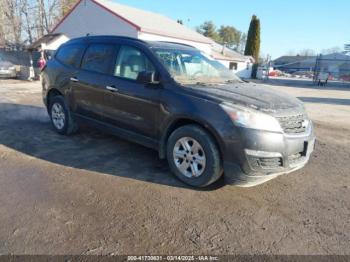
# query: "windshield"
x,y
192,67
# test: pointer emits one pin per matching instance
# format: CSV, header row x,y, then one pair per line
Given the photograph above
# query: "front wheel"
x,y
193,156
60,116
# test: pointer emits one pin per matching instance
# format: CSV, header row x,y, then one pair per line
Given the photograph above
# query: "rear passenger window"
x,y
70,55
99,58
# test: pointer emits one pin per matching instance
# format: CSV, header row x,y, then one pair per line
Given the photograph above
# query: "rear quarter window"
x,y
70,55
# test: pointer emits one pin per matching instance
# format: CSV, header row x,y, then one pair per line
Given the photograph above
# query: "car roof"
x,y
151,44
169,45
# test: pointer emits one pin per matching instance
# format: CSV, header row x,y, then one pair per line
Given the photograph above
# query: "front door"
x,y
133,105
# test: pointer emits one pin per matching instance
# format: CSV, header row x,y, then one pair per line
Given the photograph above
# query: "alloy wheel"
x,y
58,116
189,157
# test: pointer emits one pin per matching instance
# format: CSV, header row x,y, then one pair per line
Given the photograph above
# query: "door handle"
x,y
112,88
74,79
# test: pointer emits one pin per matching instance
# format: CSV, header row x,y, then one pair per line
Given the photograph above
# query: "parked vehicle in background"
x,y
7,70
172,98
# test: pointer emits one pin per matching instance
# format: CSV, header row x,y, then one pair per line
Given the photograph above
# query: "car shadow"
x,y
325,100
27,129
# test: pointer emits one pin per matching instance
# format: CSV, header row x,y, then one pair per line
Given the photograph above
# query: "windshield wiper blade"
x,y
202,84
232,81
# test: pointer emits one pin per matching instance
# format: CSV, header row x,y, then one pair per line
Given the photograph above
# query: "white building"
x,y
238,63
101,17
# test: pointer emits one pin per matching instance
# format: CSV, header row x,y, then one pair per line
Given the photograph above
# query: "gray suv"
x,y
180,102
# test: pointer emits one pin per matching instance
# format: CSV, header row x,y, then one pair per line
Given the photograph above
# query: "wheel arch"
x,y
183,121
52,93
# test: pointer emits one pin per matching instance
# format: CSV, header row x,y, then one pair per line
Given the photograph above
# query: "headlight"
x,y
250,118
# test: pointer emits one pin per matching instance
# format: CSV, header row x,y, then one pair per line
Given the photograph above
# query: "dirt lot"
x,y
95,194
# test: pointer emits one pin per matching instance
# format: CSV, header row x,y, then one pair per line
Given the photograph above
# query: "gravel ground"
x,y
95,194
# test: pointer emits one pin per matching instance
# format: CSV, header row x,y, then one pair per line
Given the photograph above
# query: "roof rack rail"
x,y
176,43
107,36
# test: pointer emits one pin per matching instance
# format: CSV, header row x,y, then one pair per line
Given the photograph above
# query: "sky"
x,y
289,25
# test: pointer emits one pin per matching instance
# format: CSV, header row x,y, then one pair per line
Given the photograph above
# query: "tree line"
x,y
24,21
235,39
226,35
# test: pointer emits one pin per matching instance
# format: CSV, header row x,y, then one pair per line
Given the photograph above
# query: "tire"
x,y
209,168
58,109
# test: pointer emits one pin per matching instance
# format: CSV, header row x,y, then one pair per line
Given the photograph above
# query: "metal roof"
x,y
43,40
221,52
152,23
151,44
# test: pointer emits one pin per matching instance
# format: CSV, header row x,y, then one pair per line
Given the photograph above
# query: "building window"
x,y
233,66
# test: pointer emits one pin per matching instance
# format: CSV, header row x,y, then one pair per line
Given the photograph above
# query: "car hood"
x,y
251,95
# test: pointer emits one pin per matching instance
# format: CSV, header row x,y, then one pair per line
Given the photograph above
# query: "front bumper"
x,y
261,156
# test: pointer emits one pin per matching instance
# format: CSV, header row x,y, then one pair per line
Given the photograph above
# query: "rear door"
x,y
66,64
89,84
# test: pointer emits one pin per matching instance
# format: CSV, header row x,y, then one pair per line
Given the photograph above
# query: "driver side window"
x,y
131,62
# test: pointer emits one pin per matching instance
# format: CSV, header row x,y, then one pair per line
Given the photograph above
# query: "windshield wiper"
x,y
232,81
202,84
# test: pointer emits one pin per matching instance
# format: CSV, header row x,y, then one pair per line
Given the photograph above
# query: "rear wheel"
x,y
193,156
60,116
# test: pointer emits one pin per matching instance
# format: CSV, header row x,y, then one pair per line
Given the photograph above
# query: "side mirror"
x,y
148,77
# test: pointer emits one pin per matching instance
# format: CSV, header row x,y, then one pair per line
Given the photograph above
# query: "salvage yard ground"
x,y
96,194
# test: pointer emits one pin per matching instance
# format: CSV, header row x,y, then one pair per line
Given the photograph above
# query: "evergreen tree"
x,y
252,47
230,36
208,29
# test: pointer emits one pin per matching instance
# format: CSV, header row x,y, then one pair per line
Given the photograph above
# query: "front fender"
x,y
177,121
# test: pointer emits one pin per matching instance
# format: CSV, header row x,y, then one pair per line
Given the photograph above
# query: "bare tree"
x,y
291,52
307,52
28,25
23,21
332,50
12,21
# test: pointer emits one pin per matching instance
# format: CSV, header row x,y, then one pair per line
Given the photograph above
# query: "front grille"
x,y
293,124
266,162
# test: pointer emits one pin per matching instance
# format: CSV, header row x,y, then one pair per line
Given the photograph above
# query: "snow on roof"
x,y
153,23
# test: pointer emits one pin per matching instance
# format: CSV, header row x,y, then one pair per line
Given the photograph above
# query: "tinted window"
x,y
70,55
99,58
131,62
